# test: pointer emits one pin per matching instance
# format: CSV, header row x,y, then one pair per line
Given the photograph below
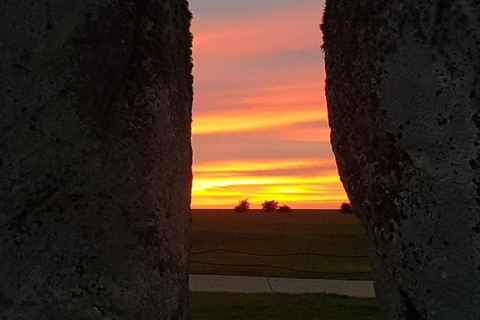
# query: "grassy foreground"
x,y
321,231
232,306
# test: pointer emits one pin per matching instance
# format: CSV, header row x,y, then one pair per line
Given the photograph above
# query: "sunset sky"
x,y
260,126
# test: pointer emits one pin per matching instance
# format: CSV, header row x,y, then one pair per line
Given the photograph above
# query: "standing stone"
x,y
403,91
95,158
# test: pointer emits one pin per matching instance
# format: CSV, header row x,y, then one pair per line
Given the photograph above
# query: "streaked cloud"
x,y
252,119
252,147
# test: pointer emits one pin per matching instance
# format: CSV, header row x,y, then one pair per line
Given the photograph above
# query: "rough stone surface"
x,y
95,157
403,95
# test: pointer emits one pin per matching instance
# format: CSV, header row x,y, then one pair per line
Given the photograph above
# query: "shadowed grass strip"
x,y
275,267
294,254
236,306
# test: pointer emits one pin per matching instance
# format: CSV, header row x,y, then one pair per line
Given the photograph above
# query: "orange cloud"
x,y
252,119
302,131
281,99
269,108
257,34
261,164
306,134
286,92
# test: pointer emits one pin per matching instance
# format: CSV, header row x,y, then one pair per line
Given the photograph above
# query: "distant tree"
x,y
346,207
284,208
269,206
242,206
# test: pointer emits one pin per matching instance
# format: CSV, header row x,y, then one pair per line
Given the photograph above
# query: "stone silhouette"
x,y
95,159
403,95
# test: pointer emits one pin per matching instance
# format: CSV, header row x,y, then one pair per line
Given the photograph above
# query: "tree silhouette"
x,y
269,206
346,207
242,206
284,208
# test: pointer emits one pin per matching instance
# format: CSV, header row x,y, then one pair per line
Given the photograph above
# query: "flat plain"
x,y
216,234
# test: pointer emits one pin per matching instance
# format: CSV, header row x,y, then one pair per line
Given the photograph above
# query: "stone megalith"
x,y
403,96
95,159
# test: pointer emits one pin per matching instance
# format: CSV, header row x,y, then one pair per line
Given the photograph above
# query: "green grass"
x,y
277,233
232,306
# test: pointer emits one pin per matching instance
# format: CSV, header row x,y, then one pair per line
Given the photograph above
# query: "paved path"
x,y
217,283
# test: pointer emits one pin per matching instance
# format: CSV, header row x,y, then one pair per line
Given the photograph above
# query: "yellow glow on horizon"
x,y
226,191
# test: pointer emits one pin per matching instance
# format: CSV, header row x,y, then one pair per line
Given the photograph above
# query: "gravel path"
x,y
218,283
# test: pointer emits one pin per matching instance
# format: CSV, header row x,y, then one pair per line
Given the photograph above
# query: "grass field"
x,y
320,231
233,306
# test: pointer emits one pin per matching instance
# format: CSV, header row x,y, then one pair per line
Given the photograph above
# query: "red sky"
x,y
260,122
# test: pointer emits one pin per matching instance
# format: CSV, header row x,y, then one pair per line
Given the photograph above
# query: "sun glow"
x,y
219,183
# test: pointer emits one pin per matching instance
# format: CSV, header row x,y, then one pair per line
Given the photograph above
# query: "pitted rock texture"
x,y
95,159
403,96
